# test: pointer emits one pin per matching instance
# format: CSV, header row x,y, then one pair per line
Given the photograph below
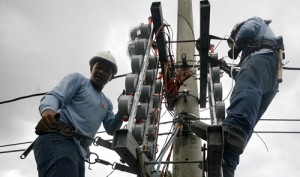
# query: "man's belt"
x,y
65,130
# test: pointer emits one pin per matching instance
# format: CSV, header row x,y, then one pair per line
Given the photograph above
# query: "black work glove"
x,y
233,73
233,53
49,119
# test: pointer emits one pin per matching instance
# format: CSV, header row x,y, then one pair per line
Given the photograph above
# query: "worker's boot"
x,y
232,137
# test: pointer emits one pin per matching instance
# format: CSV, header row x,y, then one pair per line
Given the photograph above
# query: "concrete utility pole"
x,y
187,147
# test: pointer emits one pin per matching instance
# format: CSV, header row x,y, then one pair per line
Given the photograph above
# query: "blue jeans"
x,y
57,155
255,87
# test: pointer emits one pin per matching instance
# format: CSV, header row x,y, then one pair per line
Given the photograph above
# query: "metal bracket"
x,y
126,147
158,20
215,145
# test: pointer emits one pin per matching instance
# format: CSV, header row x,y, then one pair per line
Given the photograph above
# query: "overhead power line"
x,y
18,150
16,144
290,68
23,97
41,94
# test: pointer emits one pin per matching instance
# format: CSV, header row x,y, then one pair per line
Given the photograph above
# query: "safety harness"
x,y
66,130
277,47
266,44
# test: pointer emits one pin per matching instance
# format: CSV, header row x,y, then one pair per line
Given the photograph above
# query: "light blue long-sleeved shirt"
x,y
82,106
252,30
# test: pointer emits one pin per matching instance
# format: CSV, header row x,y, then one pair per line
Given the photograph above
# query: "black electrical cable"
x,y
41,94
265,132
23,97
18,150
288,120
121,75
290,68
280,119
275,132
16,144
279,132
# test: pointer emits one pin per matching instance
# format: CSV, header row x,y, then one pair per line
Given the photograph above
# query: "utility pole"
x,y
187,147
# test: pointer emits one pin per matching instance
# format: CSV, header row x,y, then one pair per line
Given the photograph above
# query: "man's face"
x,y
101,74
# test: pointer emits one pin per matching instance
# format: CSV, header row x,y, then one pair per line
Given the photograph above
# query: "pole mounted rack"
x,y
136,145
124,142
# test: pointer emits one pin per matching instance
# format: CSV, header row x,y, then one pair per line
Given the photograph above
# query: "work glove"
x,y
233,73
49,119
227,69
233,53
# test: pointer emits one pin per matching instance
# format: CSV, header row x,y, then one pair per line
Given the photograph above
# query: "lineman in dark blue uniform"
x,y
255,86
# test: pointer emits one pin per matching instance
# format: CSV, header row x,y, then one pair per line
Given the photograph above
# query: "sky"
x,y
42,41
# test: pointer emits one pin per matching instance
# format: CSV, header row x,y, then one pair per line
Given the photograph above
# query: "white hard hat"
x,y
107,56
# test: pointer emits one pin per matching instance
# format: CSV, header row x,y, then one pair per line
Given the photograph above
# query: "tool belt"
x,y
68,131
266,44
261,44
65,130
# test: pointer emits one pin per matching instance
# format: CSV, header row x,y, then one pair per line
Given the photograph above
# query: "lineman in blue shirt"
x,y
255,87
82,107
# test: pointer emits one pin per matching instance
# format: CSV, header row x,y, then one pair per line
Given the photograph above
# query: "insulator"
x,y
131,83
142,32
158,86
153,117
214,56
152,62
156,100
141,46
137,47
215,71
124,105
131,48
218,94
145,93
220,111
142,111
138,133
136,63
150,75
151,132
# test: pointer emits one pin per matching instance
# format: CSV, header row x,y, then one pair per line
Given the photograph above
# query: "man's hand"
x,y
49,119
